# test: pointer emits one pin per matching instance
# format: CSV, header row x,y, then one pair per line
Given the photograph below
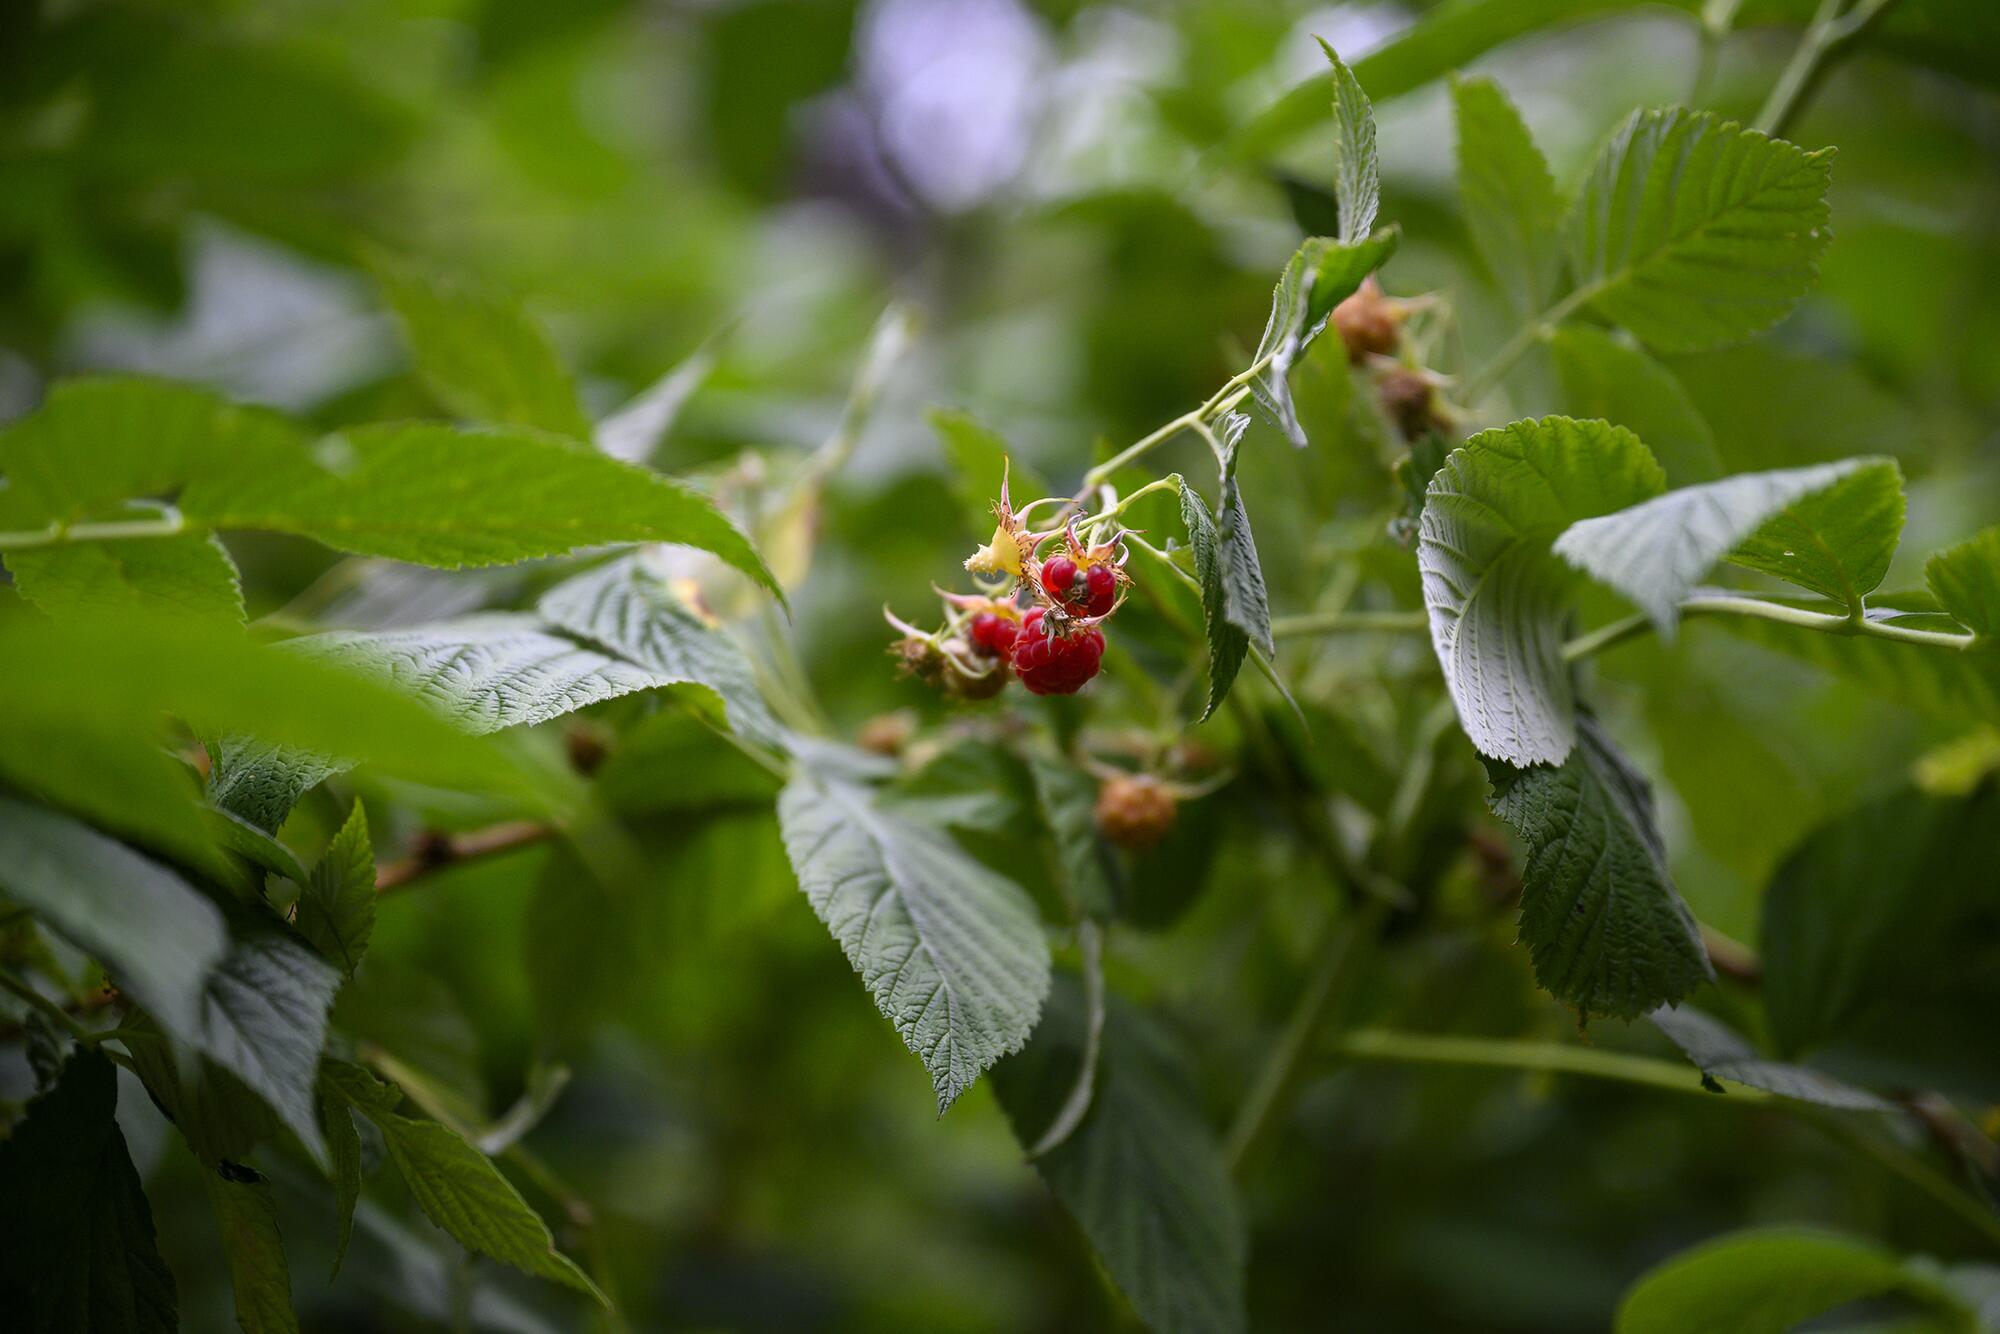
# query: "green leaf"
x,y
1720,1052
336,909
343,1147
97,442
159,937
630,608
480,355
1693,232
952,953
256,1254
448,496
188,574
1492,587
978,457
1605,376
1244,600
1142,1174
77,1250
1943,682
1319,276
264,1020
1066,800
1227,644
1837,540
1766,1282
465,1194
1605,926
255,845
1966,581
1511,205
1817,525
1356,167
1877,944
221,1120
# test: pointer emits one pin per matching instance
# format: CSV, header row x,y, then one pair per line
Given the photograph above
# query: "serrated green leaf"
x,y
1511,205
1965,579
1245,602
1605,376
1356,167
1320,275
1875,940
1605,926
343,1150
1693,232
1817,525
479,354
1066,799
465,1194
188,574
1837,540
952,953
77,1250
1720,1052
263,1019
979,458
100,441
448,496
220,1119
157,935
1142,1174
1227,644
1492,587
1767,1282
1946,683
336,909
256,1253
631,608
255,845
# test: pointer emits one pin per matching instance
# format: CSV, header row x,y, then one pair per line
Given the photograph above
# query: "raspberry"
x,y
919,657
1056,664
1134,811
1082,592
994,634
1368,322
1408,399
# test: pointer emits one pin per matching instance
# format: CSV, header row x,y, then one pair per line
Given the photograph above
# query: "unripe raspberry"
x,y
1056,664
1134,811
1368,322
1410,402
919,657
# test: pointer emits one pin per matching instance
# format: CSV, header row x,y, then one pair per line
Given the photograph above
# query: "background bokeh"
x,y
1053,193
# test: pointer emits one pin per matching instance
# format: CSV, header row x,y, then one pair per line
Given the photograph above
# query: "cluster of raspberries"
x,y
1052,642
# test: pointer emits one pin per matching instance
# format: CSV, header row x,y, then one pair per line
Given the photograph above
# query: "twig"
x,y
439,851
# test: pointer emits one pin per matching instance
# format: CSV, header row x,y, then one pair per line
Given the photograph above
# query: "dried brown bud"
x,y
919,657
1410,401
1368,322
1134,811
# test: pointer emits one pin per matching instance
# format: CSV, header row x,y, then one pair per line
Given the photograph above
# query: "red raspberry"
x,y
1082,592
994,633
1059,580
1050,664
1100,584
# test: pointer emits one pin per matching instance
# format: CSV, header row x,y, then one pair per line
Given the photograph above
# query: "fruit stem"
x,y
1220,401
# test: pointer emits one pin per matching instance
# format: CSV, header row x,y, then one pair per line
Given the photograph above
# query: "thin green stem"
x,y
167,525
55,1013
1221,400
1345,622
1374,1044
1158,484
1829,623
1829,28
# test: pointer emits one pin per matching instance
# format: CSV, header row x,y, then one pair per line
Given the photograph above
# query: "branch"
x,y
436,851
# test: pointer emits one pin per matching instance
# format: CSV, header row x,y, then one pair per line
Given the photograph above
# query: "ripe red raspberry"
x,y
995,634
1134,811
1051,664
1082,592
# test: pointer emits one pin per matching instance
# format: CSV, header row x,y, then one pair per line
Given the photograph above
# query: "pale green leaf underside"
x,y
1321,274
159,938
1966,582
1693,232
1764,1282
1511,205
1142,1174
1356,165
1657,551
448,496
1494,592
1720,1052
952,952
1602,375
263,1019
1604,925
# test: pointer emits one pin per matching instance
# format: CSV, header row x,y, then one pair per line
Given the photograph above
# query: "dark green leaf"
x,y
336,909
1966,580
264,1020
952,952
256,1254
1693,232
1066,797
1227,644
482,356
1601,918
446,496
343,1147
1142,1174
1836,540
1511,205
1608,377
76,1234
1244,600
1495,592
159,937
221,1120
1720,1052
